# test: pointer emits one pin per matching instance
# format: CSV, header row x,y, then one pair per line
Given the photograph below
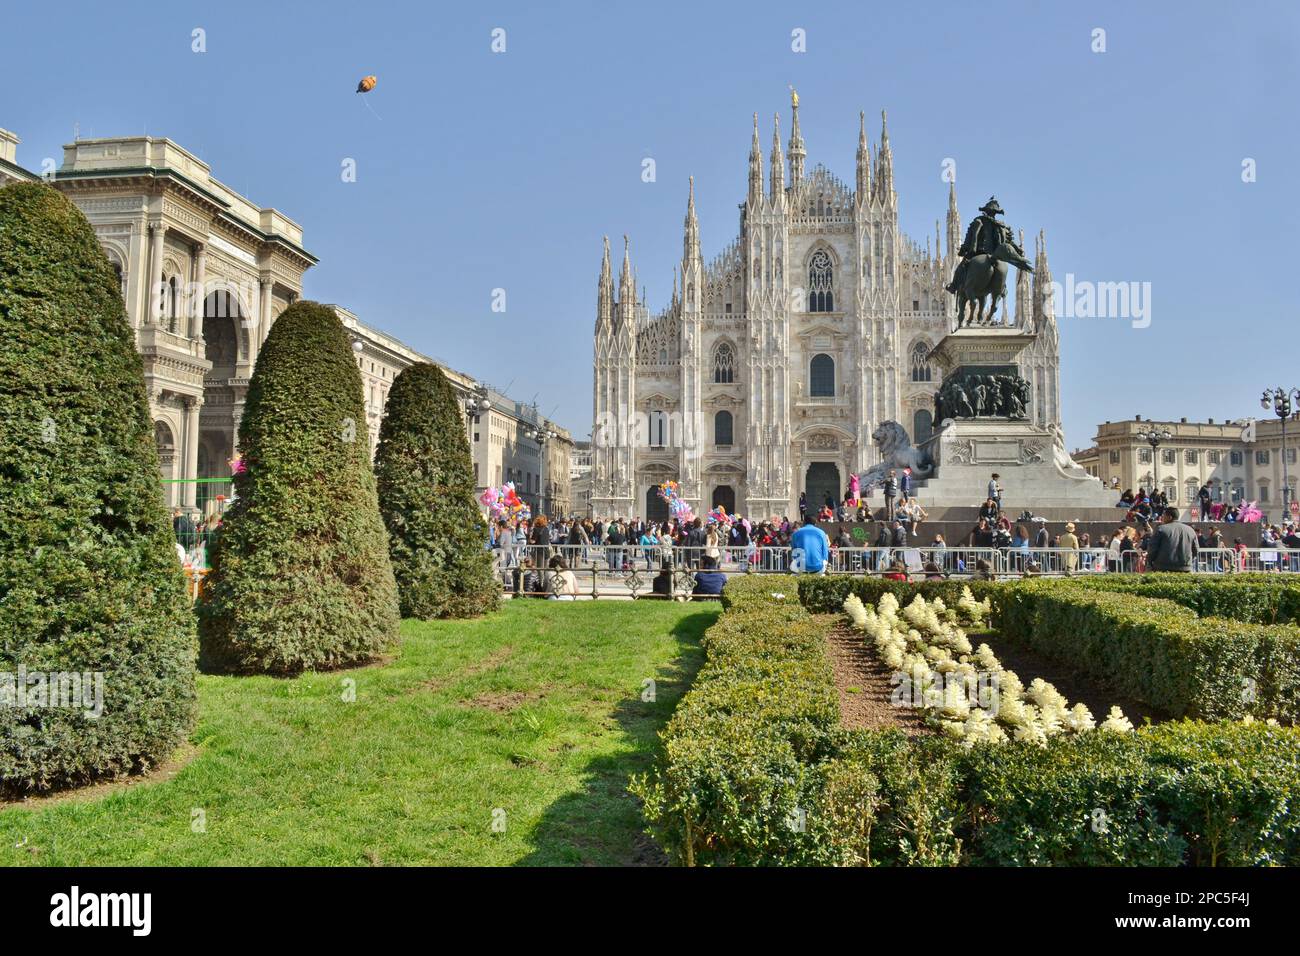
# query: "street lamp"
x,y
1282,400
477,403
1154,437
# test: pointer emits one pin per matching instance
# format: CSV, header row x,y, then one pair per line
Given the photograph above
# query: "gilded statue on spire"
x,y
794,97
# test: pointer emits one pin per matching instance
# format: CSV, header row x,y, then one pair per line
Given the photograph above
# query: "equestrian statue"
x,y
982,272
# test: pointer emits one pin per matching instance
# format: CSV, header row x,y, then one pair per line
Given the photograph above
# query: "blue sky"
x,y
484,171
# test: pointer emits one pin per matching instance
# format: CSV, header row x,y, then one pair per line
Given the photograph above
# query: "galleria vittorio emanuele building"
x,y
773,364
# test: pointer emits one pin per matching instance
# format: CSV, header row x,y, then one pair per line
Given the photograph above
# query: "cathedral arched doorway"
x,y
656,509
822,484
725,495
922,426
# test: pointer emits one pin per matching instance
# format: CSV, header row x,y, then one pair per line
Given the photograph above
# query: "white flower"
x,y
1116,722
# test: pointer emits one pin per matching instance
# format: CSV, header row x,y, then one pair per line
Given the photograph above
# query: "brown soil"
x,y
863,682
165,771
489,663
504,701
1075,687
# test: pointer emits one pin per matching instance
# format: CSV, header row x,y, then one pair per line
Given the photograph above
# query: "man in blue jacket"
x,y
810,549
709,580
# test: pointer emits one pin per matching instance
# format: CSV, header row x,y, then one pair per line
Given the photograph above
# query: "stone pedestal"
x,y
1034,469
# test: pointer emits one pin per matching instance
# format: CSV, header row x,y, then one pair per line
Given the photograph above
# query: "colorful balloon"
x,y
367,84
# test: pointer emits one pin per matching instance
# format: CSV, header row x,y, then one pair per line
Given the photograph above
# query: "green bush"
x,y
89,580
1253,598
825,594
755,769
1158,651
436,532
301,578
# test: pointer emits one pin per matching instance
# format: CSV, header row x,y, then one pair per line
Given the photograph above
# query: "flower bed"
x,y
756,770
1146,647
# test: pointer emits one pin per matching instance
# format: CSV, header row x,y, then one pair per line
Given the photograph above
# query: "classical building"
x,y
1242,460
204,273
510,441
774,362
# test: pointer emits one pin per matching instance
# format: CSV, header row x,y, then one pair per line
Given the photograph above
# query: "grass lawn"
x,y
536,711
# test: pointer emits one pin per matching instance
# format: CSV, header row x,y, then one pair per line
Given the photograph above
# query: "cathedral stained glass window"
x,y
821,297
723,364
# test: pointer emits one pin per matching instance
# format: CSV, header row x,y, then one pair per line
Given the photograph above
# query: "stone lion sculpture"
x,y
896,453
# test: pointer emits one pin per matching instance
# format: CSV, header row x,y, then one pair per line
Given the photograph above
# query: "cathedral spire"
x,y
864,161
778,160
954,224
691,241
605,294
1044,307
755,168
1023,293
626,291
885,161
796,142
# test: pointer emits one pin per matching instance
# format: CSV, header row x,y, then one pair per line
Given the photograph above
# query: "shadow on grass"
x,y
601,824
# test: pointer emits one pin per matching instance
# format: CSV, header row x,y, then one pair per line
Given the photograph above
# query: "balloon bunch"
x,y
505,503
669,491
237,466
719,516
1250,512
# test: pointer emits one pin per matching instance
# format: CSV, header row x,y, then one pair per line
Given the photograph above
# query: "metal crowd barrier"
x,y
636,571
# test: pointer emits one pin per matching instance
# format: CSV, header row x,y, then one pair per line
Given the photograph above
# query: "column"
x,y
264,316
156,233
190,450
200,290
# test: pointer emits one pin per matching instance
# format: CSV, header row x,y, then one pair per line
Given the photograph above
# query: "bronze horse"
x,y
985,278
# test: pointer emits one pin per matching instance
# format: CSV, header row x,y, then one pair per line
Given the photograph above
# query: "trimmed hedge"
x,y
89,580
436,531
1147,647
756,770
301,578
1254,598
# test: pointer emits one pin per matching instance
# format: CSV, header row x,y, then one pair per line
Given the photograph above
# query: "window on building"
x,y
724,364
658,429
722,423
1290,456
821,377
1169,456
920,367
1114,456
1263,491
1189,456
1214,457
728,308
821,296
1235,458
1144,456
1261,456
916,305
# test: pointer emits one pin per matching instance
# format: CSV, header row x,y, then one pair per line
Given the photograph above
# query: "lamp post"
x,y
540,435
1283,401
476,403
1155,437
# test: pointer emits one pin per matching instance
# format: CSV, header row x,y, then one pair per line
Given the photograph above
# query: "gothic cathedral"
x,y
773,364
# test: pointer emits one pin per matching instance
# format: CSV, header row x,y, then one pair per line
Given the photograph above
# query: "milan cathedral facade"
x,y
773,363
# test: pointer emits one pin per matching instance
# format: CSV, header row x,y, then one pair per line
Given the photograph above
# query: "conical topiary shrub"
x,y
92,598
300,578
436,532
